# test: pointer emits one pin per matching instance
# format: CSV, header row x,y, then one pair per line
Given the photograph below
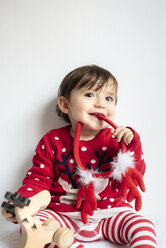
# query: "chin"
x,y
96,127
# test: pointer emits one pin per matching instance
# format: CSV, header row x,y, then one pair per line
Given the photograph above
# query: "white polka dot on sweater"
x,y
64,150
52,151
56,138
29,173
83,148
43,147
109,206
142,157
29,189
37,179
112,200
105,198
104,148
72,161
132,153
41,166
48,177
113,136
93,161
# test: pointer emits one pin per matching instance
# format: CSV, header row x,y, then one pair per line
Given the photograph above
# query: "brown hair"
x,y
84,76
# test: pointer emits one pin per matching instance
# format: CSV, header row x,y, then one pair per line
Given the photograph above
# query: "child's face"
x,y
84,104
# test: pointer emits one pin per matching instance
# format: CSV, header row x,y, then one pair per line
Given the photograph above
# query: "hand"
x,y
123,132
9,216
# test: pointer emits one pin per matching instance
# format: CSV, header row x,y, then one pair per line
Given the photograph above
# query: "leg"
x,y
74,245
46,214
130,228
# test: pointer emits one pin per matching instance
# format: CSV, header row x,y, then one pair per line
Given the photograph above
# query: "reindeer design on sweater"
x,y
71,194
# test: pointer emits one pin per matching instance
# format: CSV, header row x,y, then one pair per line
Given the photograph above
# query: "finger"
x,y
12,219
9,215
126,138
6,214
118,129
112,130
129,139
120,135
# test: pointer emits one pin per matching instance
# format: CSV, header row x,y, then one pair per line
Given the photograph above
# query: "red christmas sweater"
x,y
54,169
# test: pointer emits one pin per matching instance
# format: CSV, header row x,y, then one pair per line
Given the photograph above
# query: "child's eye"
x,y
109,99
89,94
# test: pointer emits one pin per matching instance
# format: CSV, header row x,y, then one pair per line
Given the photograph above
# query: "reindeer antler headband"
x,y
76,146
123,170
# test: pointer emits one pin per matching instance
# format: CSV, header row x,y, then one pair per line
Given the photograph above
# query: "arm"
x,y
132,140
41,175
131,176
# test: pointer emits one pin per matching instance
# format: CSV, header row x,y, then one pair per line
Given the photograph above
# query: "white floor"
x,y
9,234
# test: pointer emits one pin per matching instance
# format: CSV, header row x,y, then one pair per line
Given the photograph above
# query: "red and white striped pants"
x,y
126,227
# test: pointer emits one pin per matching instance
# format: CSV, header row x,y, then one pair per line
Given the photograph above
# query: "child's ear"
x,y
63,104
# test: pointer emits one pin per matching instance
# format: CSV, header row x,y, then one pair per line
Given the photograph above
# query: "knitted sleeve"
x,y
41,175
136,147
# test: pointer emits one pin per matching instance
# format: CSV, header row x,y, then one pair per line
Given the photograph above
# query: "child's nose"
x,y
99,103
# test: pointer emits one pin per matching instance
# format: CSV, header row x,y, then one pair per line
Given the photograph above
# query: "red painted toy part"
x,y
129,187
86,199
132,177
77,156
86,196
76,145
122,144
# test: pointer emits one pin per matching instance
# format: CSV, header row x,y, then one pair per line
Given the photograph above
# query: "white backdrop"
x,y
42,40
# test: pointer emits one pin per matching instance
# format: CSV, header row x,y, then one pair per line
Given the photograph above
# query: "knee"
x,y
145,230
153,229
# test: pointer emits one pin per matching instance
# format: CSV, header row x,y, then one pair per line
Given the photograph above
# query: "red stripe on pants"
x,y
124,228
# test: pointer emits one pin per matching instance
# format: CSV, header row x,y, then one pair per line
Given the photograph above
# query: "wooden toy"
x,y
17,201
33,232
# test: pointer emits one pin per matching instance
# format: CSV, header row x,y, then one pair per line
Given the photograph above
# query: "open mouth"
x,y
95,115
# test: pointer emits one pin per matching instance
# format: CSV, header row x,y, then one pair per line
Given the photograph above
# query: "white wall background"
x,y
42,40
